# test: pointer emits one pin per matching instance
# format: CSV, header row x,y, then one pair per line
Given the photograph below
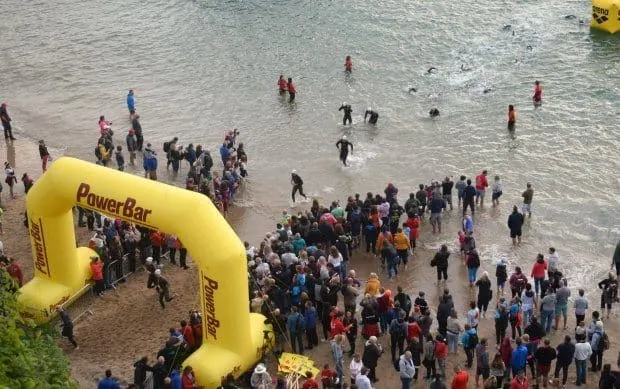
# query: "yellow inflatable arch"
x,y
606,15
232,337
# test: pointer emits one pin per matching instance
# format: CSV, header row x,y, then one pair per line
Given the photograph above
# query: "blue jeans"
x,y
581,370
471,274
296,339
453,342
538,283
546,317
527,316
406,382
392,269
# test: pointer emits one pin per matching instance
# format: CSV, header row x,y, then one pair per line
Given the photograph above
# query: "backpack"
x,y
605,341
166,147
472,340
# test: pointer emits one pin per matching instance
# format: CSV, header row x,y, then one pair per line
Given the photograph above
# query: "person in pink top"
x,y
328,217
96,268
539,270
481,185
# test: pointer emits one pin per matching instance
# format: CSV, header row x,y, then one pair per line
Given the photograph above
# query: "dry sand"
x,y
128,323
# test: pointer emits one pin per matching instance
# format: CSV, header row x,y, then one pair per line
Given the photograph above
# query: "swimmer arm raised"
x,y
366,114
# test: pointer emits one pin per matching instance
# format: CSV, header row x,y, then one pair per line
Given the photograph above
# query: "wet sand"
x,y
128,323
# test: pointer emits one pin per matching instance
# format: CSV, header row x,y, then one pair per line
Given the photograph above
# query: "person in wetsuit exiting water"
x,y
347,113
298,185
374,116
343,145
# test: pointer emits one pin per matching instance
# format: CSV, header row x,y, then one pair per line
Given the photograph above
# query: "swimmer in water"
x,y
487,90
347,113
343,145
431,70
529,47
570,17
507,27
537,94
291,90
374,116
464,69
412,89
348,65
282,84
512,117
434,112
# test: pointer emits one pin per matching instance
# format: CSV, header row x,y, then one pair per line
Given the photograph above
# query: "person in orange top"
x,y
372,285
310,382
461,377
539,271
401,244
348,64
157,241
512,117
384,236
96,268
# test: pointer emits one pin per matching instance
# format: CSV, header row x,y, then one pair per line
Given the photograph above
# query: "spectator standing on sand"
x,y
139,375
137,128
45,155
28,182
10,179
67,325
96,269
108,382
583,352
159,372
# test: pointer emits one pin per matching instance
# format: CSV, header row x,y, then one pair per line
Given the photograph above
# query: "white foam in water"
x,y
328,189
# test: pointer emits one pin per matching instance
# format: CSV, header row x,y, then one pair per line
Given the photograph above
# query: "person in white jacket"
x,y
355,367
407,369
583,351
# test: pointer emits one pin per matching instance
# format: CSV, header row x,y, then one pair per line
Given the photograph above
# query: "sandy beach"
x,y
128,323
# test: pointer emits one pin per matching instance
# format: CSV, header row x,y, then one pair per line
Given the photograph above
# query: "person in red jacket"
x,y
441,351
157,240
15,271
348,64
537,94
188,379
188,334
481,186
291,90
282,84
327,376
520,381
336,325
310,382
414,230
539,270
414,331
461,377
96,268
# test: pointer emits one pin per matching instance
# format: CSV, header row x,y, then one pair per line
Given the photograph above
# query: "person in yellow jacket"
x,y
401,243
372,285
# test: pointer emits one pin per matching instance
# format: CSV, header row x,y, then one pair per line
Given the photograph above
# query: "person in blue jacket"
x,y
311,318
519,357
175,380
108,382
469,342
224,152
131,104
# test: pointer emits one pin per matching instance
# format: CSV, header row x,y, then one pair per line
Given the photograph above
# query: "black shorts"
x,y
514,234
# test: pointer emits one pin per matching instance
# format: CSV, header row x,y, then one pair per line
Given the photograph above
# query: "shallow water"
x,y
201,67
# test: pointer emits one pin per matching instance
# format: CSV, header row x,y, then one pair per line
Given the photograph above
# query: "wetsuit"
x,y
373,116
433,112
291,91
298,185
344,145
347,114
